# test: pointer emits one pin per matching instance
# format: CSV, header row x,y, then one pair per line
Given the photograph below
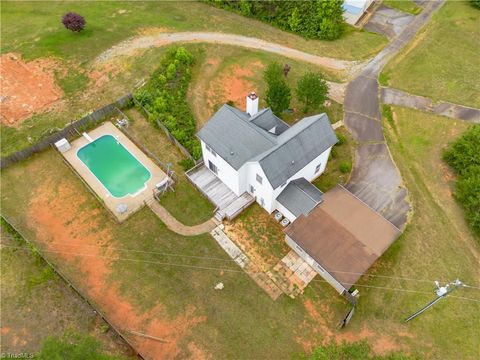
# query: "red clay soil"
x,y
233,86
63,224
26,87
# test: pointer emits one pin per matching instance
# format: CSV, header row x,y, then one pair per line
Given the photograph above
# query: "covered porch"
x,y
228,205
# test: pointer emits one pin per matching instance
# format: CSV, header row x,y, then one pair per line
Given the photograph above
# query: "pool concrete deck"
x,y
134,202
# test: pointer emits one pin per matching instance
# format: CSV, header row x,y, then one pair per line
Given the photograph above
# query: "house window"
x,y
259,179
317,169
252,189
212,167
261,201
299,248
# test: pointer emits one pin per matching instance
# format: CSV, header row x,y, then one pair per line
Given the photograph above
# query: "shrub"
x,y
463,156
345,167
187,164
316,19
164,98
475,3
341,139
73,21
312,90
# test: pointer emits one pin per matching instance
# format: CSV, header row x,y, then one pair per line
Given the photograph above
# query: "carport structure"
x,y
341,238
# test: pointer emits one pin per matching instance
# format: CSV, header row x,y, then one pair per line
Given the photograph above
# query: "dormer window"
x,y
259,179
317,169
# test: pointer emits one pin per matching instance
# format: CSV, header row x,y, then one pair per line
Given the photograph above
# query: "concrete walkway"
x,y
176,226
129,46
375,178
401,98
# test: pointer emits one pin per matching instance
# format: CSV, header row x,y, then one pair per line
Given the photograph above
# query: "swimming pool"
x,y
351,9
114,166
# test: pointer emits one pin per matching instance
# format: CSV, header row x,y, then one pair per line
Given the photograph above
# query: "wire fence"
x,y
32,245
72,130
167,132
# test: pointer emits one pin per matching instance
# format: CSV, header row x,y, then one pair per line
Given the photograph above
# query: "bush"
x,y
73,21
314,19
341,139
464,157
164,98
278,94
475,3
345,167
312,90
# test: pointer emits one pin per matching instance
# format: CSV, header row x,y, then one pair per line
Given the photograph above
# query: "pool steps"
x,y
87,137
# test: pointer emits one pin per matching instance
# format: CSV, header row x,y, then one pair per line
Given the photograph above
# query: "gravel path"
x,y
128,47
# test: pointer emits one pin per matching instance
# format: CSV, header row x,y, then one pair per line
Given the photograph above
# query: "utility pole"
x,y
441,291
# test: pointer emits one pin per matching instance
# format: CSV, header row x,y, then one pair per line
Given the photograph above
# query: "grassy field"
x,y
29,284
407,6
442,63
111,22
436,245
186,204
227,73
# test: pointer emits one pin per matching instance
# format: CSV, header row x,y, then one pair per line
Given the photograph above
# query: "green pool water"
x,y
114,166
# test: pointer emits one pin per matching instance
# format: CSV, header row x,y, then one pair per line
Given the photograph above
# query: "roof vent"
x,y
293,162
232,153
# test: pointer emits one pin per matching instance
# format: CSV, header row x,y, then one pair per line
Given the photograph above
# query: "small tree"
x,y
73,21
278,96
273,72
312,90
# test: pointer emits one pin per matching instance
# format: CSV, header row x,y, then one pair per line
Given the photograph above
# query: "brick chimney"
x,y
252,103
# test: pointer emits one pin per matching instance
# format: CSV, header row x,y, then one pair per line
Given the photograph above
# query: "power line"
x,y
220,269
231,260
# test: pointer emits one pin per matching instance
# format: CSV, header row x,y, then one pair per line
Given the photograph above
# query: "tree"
x,y
278,96
475,3
278,93
73,21
273,72
312,90
330,19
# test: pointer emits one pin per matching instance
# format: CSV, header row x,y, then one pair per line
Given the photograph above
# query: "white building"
x,y
257,153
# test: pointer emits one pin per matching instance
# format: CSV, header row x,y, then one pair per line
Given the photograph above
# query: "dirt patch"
x,y
27,87
75,236
103,73
233,84
195,352
322,317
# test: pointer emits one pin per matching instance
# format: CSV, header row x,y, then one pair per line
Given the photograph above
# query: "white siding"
x,y
226,173
316,266
285,212
263,191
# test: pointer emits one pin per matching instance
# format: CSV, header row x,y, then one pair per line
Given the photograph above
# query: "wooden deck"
x,y
227,203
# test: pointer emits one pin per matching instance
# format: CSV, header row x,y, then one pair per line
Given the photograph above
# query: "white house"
x,y
255,152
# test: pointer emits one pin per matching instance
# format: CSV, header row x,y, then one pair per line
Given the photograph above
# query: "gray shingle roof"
x,y
300,197
237,138
267,120
297,146
232,137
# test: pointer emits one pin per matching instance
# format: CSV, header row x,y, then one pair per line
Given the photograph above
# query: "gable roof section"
x,y
297,146
344,235
267,120
233,138
300,197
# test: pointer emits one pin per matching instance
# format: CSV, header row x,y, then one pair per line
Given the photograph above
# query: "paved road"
x,y
375,178
399,97
128,47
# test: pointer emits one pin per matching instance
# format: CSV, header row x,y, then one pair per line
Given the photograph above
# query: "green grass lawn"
x,y
436,245
342,153
186,203
34,28
407,6
442,62
29,284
